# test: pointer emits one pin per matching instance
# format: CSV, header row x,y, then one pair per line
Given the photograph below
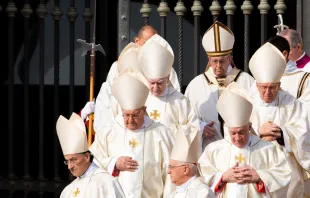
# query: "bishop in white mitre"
x,y
103,107
242,164
279,116
164,103
183,167
134,148
294,81
90,181
205,89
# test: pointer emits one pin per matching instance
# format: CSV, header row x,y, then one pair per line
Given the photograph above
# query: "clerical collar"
x,y
303,54
89,171
290,67
227,73
183,187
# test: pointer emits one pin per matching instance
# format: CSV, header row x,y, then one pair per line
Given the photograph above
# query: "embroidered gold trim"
x,y
301,84
221,53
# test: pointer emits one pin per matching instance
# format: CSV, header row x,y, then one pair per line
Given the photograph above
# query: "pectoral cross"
x,y
133,143
240,158
76,192
155,115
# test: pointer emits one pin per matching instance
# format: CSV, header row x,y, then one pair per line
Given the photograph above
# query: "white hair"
x,y
294,37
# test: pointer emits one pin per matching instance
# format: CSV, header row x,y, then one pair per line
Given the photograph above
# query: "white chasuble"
x,y
105,106
266,158
203,93
133,147
291,116
193,188
171,109
103,114
150,146
95,183
297,84
238,156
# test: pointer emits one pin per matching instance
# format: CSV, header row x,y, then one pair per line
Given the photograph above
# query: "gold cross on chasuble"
x,y
133,143
240,158
76,192
155,115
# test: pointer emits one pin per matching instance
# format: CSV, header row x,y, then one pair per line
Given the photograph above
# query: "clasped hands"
x,y
269,131
241,175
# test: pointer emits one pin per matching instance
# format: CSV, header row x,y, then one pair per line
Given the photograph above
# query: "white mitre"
x,y
234,109
185,148
161,41
71,134
218,40
267,64
155,60
130,90
129,58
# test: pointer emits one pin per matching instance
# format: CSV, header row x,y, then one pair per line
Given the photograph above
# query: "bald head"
x,y
144,34
295,41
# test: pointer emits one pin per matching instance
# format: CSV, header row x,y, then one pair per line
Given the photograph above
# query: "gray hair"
x,y
193,168
294,37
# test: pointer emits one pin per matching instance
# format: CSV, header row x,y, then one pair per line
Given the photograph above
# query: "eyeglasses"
x,y
70,161
219,61
134,116
264,88
173,167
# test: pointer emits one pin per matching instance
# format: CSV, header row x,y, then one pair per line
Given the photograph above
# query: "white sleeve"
x,y
111,165
112,74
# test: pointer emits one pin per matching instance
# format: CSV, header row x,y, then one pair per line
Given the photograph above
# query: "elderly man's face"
x,y
77,163
133,119
220,65
158,86
239,135
268,91
177,171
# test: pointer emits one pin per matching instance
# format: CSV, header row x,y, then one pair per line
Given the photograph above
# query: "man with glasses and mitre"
x,y
134,148
243,165
278,116
204,90
164,103
91,181
183,167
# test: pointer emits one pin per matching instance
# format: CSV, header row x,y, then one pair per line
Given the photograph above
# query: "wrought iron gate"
x,y
33,162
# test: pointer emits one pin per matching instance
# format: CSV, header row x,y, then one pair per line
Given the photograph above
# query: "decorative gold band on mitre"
x,y
218,40
219,53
